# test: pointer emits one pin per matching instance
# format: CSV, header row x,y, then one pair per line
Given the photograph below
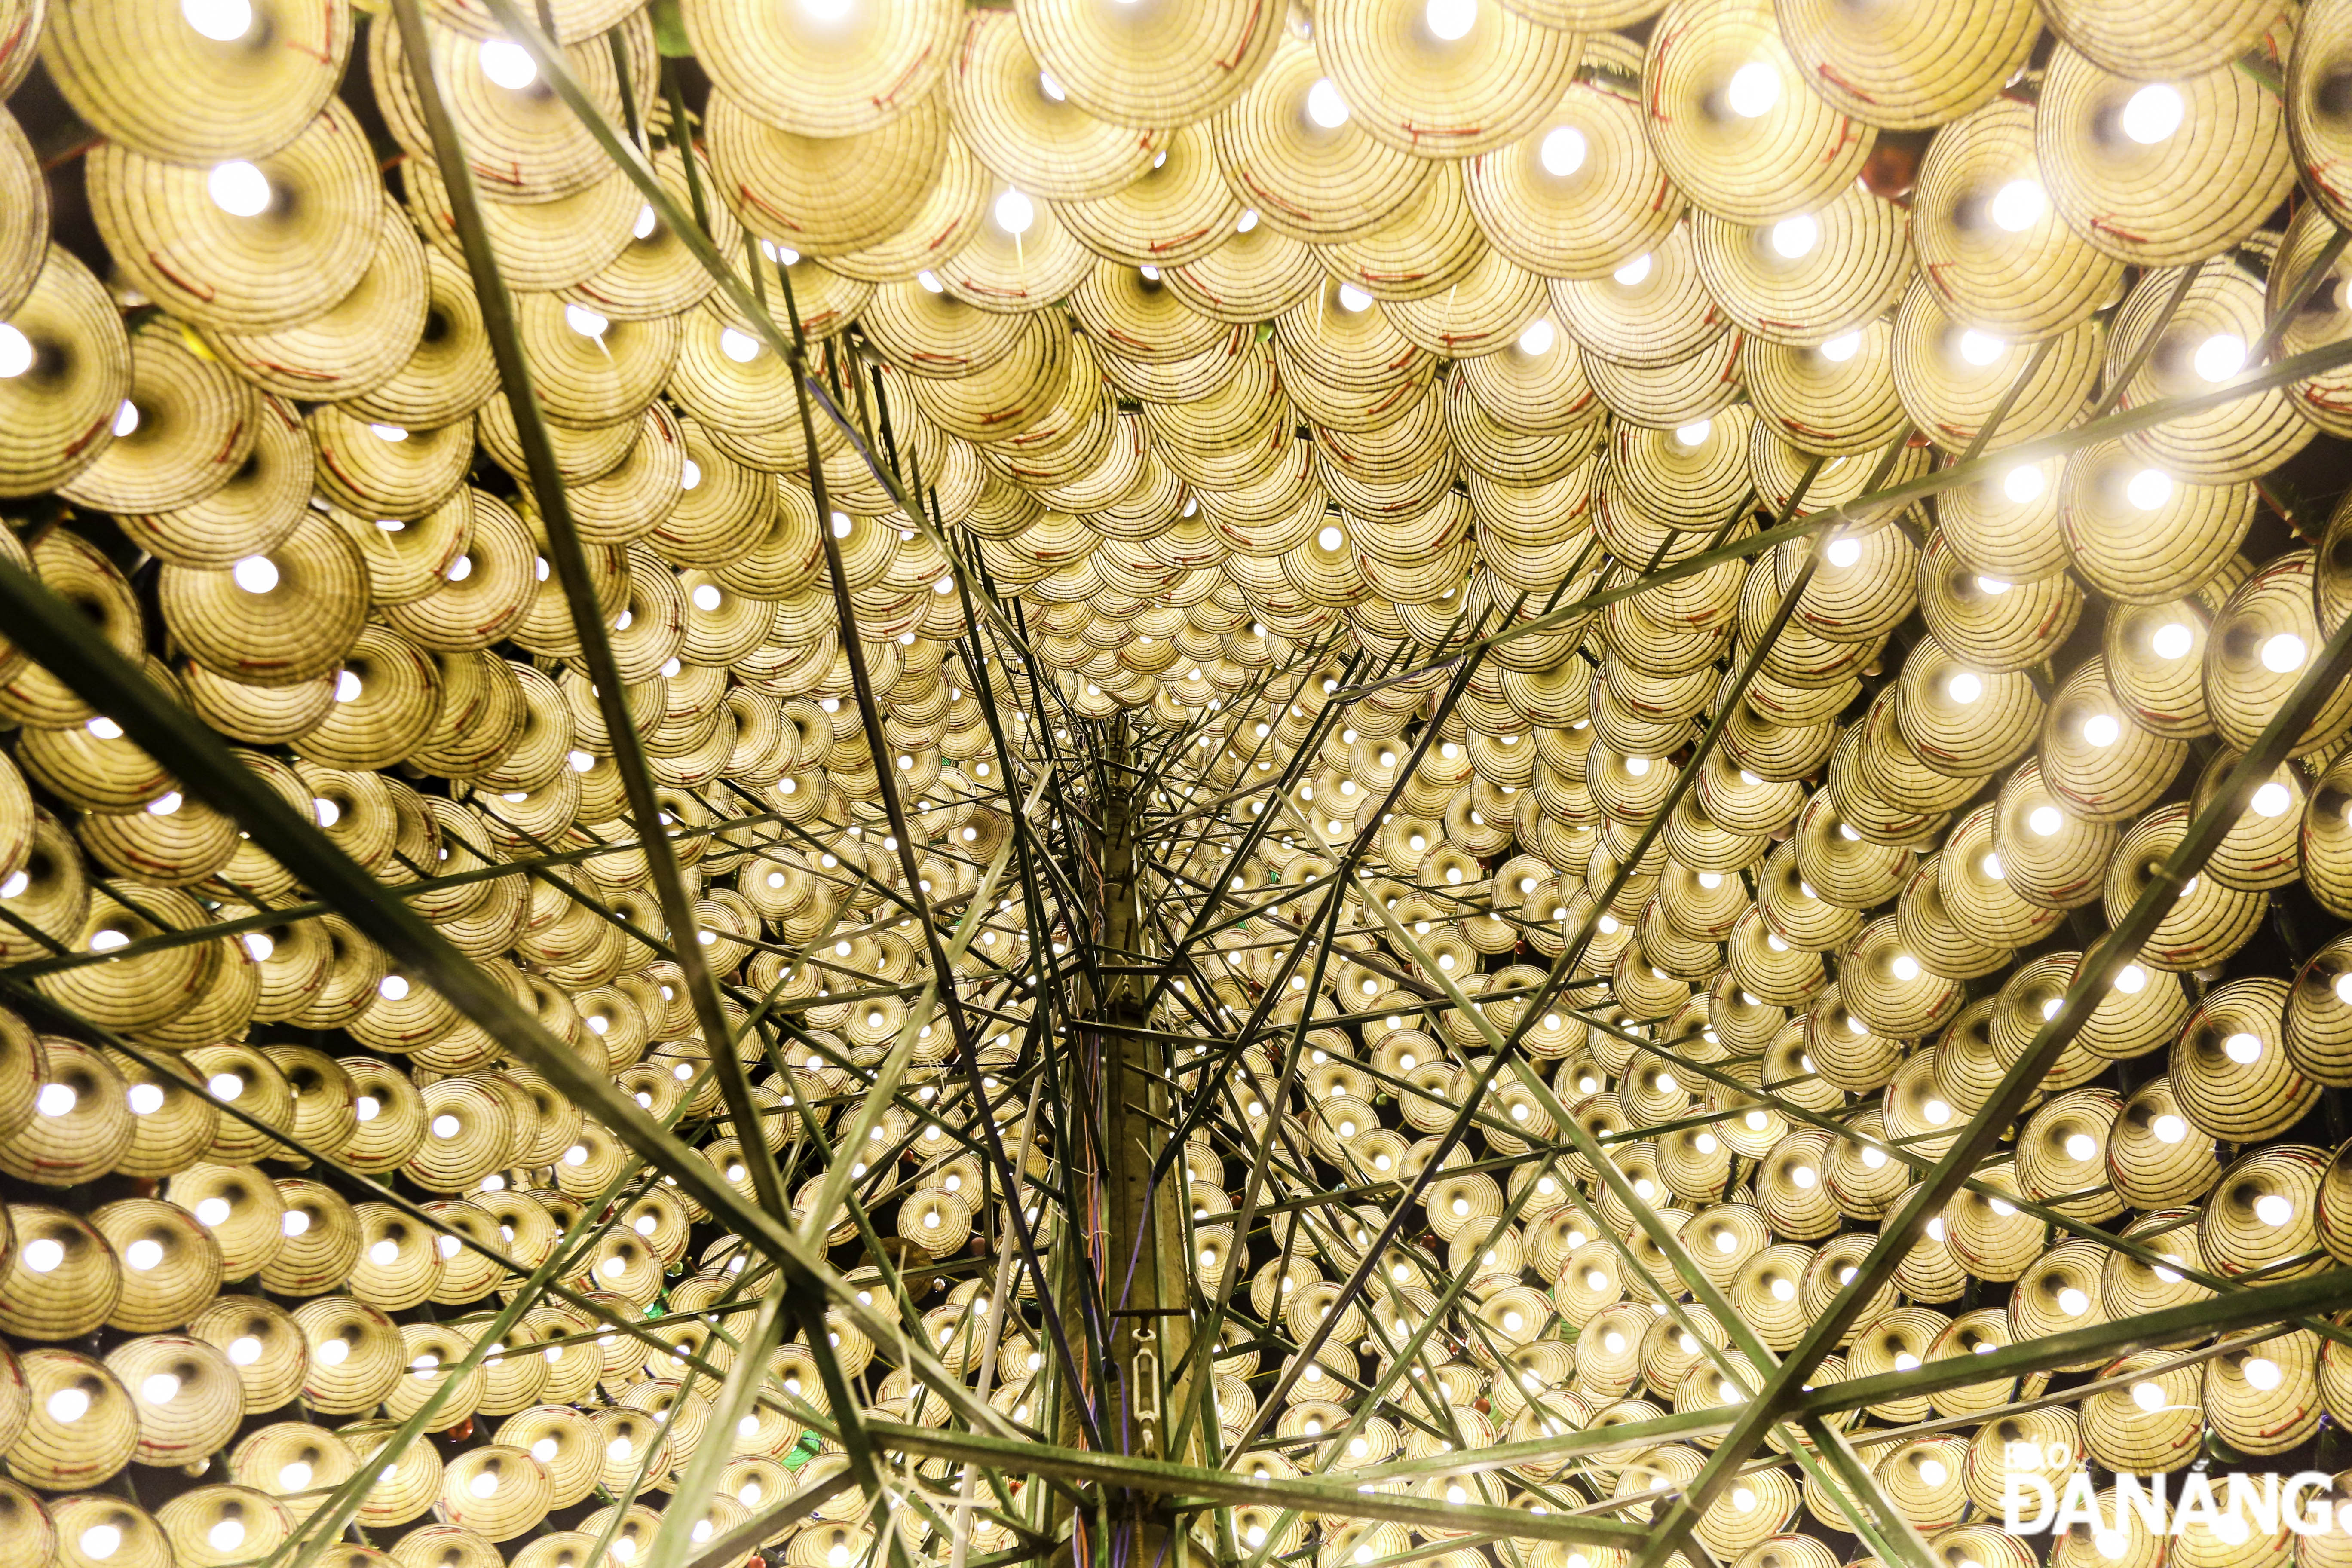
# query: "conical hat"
x,y
825,71
1778,150
1441,95
1022,124
2175,198
1159,63
1305,179
142,76
171,229
1908,67
1609,203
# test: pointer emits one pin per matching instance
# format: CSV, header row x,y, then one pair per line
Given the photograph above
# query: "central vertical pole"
x,y
1144,1280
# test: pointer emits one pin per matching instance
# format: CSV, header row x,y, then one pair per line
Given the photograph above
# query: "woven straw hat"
x,y
1609,201
1757,153
1908,67
62,1454
825,71
1177,211
1163,63
1674,395
820,195
1255,275
449,372
354,345
200,1414
1652,310
1426,249
1484,313
191,428
1007,269
2259,642
1834,399
1305,179
1035,138
2140,536
2166,40
542,246
57,416
2221,311
1810,276
213,1526
16,57
1990,243
1441,95
2161,200
1951,377
524,143
282,626
24,252
222,256
657,275
143,76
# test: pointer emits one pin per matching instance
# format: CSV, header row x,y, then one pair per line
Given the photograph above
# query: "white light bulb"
x,y
1451,19
2153,113
2019,205
1794,238
1980,349
1842,348
1536,339
2220,356
2148,489
239,189
2101,729
15,352
221,21
2283,653
2024,484
1563,151
507,64
1015,213
738,345
1965,687
1754,89
2172,641
1325,106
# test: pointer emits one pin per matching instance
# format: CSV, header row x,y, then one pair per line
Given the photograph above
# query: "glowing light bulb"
x,y
1451,19
507,64
1980,349
2024,484
1537,341
1325,106
221,21
1794,237
1015,213
15,352
1563,151
2220,356
2172,640
1634,273
2283,653
1754,89
2019,205
1964,687
1842,348
239,189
